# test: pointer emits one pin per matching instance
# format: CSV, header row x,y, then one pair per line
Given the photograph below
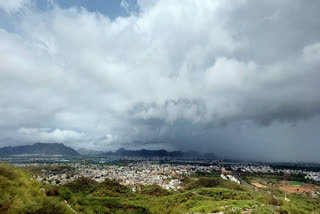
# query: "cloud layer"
x,y
176,76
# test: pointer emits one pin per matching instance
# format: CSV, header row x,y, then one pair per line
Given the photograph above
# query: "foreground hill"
x,y
206,193
198,195
20,194
39,149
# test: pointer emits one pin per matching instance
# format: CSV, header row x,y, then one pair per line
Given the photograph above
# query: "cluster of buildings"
x,y
244,167
264,168
227,175
313,176
166,175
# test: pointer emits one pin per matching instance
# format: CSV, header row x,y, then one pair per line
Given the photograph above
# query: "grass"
x,y
21,194
294,183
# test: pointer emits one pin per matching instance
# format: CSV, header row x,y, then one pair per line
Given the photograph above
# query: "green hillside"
x,y
20,194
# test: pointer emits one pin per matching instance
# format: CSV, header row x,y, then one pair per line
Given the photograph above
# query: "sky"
x,y
236,78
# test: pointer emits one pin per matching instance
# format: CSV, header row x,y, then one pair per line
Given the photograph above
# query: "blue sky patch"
x,y
110,8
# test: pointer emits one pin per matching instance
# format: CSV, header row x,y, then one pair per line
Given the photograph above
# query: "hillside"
x,y
199,194
39,149
20,194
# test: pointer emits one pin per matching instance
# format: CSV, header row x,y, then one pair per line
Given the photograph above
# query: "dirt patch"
x,y
259,185
297,189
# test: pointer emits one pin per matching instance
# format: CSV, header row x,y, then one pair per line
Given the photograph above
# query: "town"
x,y
166,175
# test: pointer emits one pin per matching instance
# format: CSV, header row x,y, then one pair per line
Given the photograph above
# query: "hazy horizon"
x,y
239,79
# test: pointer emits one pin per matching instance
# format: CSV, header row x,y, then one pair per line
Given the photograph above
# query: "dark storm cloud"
x,y
238,78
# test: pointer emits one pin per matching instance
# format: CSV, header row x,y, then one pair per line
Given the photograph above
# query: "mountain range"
x,y
159,153
39,149
61,149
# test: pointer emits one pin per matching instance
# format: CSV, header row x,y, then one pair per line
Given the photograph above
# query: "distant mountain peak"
x,y
39,149
121,150
88,152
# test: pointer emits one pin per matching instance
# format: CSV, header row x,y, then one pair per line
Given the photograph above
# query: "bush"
x,y
213,182
20,194
80,185
65,193
154,190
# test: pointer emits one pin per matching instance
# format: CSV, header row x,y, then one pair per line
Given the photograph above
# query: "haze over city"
x,y
236,78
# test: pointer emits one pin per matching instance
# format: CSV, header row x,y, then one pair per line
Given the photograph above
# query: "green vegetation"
x,y
54,169
20,194
277,178
212,182
199,174
219,194
294,183
110,188
81,185
202,193
154,190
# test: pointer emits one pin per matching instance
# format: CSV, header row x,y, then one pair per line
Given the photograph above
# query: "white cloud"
x,y
136,78
47,135
12,6
125,5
